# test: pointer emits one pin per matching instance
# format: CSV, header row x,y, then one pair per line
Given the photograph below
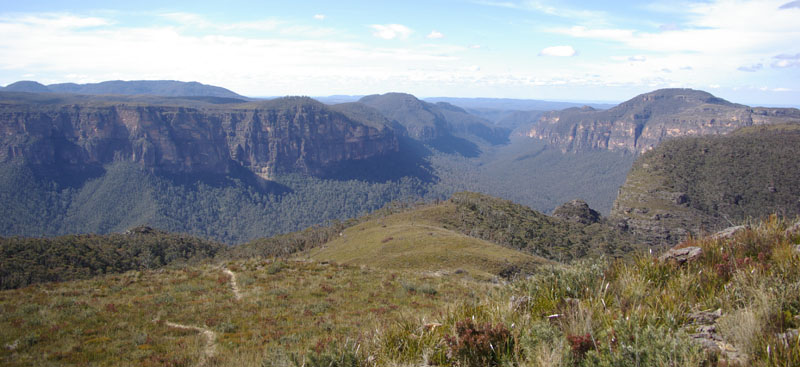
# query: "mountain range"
x,y
401,262
641,123
166,88
236,170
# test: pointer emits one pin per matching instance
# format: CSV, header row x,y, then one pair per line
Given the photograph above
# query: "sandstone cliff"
x,y
285,135
643,122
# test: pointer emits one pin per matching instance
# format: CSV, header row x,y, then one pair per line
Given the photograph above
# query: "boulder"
x,y
728,232
681,255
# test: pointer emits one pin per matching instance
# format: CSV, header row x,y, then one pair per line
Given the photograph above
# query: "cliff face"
x,y
643,122
286,135
698,185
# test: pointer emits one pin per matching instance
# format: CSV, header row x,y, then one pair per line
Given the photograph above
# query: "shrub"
x,y
580,344
479,345
275,267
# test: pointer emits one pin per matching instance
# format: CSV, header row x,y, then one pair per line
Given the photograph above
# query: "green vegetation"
x,y
519,227
25,261
702,184
597,312
416,241
304,312
628,313
225,209
527,172
459,235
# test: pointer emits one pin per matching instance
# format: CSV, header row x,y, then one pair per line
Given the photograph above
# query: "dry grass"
x,y
413,242
124,319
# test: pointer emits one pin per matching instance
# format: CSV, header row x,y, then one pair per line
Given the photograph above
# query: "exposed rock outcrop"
x,y
577,211
291,134
706,335
728,232
681,255
643,122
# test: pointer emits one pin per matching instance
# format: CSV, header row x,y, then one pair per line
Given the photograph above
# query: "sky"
x,y
741,50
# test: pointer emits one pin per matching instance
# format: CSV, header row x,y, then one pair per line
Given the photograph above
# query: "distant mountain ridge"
x,y
428,121
514,104
640,124
166,88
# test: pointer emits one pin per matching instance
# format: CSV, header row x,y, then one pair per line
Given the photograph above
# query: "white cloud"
x,y
254,63
751,68
391,31
57,21
786,61
637,58
722,26
561,51
435,35
319,16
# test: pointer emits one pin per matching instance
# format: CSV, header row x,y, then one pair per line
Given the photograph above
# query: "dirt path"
x,y
211,337
234,286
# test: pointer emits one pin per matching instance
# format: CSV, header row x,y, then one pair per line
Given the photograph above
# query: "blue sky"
x,y
744,51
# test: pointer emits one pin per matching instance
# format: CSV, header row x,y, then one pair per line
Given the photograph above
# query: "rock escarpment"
x,y
643,122
291,134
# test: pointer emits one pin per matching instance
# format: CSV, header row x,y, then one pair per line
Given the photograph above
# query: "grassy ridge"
x,y
416,241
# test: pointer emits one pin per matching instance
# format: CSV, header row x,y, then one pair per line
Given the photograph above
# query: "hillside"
x,y
25,261
643,122
478,217
246,313
435,123
416,241
166,88
735,303
692,186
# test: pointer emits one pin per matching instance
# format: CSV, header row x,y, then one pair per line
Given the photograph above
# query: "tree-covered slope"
x,y
695,185
25,261
231,209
